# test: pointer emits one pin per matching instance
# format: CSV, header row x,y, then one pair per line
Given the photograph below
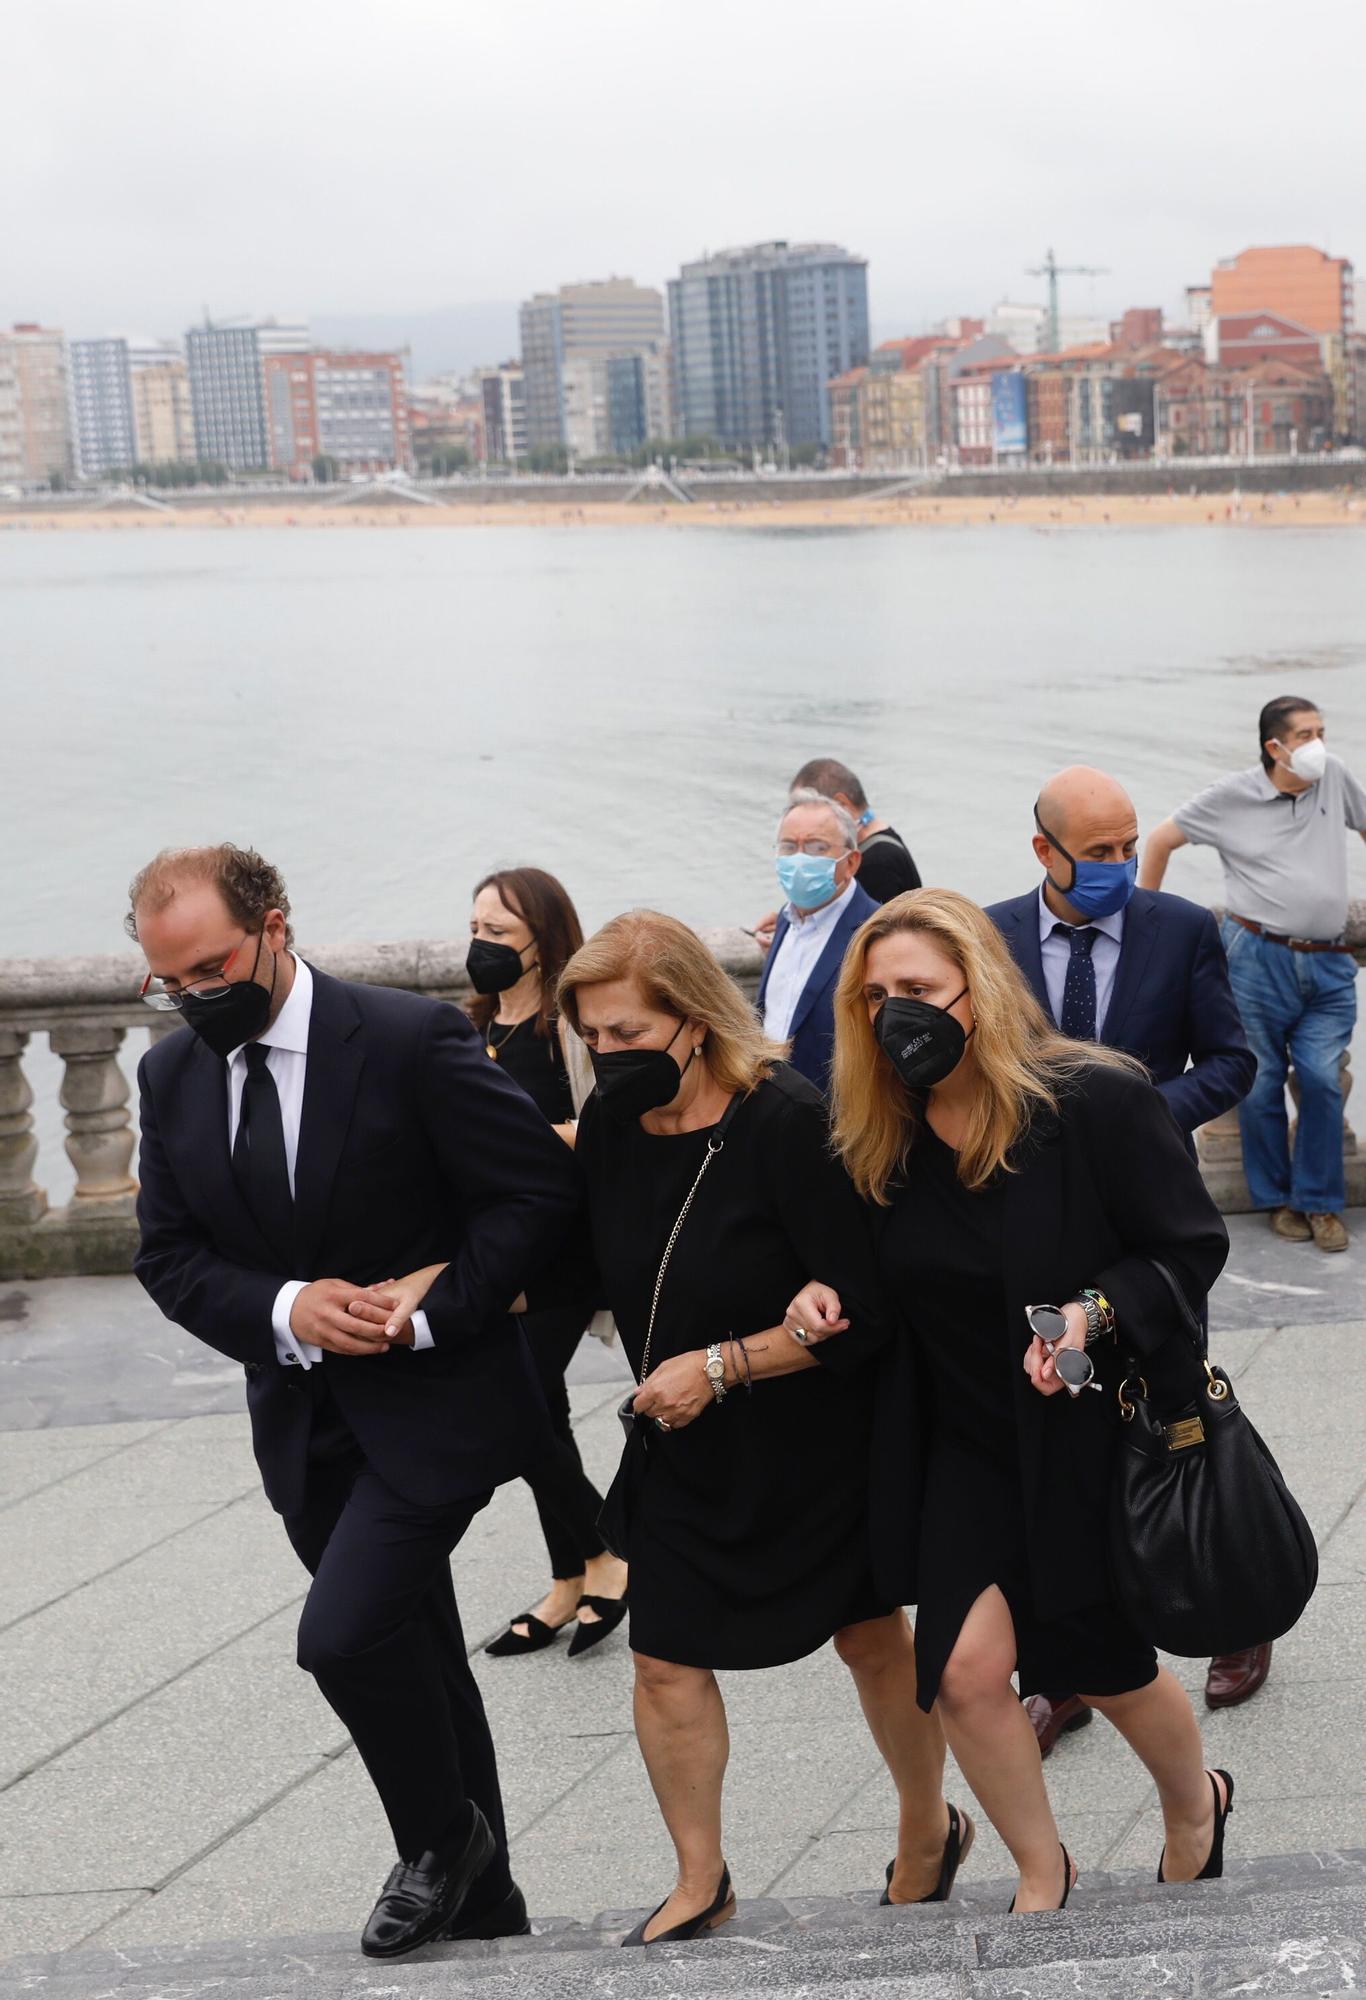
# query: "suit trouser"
x,y
380,1633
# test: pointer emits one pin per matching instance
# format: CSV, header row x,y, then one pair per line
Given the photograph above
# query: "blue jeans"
x,y
1298,1008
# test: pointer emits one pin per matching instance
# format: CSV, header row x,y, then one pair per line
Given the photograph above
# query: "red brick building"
x,y
349,408
1237,340
1140,327
1269,408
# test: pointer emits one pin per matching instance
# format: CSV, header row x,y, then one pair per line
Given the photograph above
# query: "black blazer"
x,y
413,1147
1097,1191
1171,1002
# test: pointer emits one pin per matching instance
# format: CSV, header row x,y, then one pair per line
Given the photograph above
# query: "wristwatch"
x,y
1100,1315
716,1371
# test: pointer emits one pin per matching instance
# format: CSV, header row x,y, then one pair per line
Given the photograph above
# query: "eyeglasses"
x,y
153,994
819,849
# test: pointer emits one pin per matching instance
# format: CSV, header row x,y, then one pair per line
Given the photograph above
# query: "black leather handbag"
x,y
1209,1552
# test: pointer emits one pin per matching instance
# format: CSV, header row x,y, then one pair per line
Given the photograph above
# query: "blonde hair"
x,y
678,975
1023,1063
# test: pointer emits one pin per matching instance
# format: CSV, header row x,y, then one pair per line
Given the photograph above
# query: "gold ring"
x,y
663,1424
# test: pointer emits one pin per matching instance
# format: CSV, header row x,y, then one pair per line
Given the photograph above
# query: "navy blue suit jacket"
x,y
1171,1003
812,1032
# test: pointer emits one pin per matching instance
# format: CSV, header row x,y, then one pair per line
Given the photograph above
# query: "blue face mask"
x,y
807,880
1098,888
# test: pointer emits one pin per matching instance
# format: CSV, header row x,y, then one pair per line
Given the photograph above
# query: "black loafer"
x,y
422,1898
507,1918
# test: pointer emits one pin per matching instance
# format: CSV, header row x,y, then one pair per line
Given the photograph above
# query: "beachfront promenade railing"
x,y
86,1006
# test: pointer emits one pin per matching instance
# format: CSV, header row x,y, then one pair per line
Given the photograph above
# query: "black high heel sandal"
x,y
611,1611
718,1911
1214,1864
511,1644
1067,1880
957,1847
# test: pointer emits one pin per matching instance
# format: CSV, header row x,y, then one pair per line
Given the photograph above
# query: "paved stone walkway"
x,y
167,1774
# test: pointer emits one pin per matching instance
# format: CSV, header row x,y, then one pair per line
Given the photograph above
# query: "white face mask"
x,y
1310,760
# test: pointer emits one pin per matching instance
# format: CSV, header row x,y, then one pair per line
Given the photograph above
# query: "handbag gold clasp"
x,y
1217,1390
1126,1408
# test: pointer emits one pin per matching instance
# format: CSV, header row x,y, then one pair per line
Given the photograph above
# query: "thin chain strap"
x,y
714,1145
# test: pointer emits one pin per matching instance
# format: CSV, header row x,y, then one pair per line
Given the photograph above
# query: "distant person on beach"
x,y
1142,972
1278,829
885,868
523,931
817,860
305,1138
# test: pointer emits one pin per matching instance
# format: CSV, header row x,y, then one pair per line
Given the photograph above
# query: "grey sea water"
x,y
389,712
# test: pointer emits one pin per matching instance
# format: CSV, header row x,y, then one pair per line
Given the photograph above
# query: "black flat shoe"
x,y
1214,1864
610,1610
718,1911
1066,1888
510,1645
957,1847
506,1918
422,1898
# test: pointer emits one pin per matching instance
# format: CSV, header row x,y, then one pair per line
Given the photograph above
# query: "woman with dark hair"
x,y
524,930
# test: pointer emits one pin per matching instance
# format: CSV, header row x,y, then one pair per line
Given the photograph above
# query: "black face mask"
x,y
923,1043
631,1082
235,1015
493,967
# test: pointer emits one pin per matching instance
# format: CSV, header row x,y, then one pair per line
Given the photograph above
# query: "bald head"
x,y
1083,815
1080,805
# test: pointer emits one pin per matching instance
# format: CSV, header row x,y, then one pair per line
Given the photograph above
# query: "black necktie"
x,y
259,1163
1079,988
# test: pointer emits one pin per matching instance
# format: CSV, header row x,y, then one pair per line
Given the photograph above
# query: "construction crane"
x,y
1053,270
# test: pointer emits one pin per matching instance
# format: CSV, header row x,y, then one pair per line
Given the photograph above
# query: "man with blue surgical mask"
x,y
1145,973
816,860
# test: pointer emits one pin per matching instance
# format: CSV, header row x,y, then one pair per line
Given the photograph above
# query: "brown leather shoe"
x,y
1055,1715
1235,1677
1289,1223
1329,1231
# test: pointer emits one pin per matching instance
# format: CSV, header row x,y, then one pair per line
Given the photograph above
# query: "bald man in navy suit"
x,y
1146,973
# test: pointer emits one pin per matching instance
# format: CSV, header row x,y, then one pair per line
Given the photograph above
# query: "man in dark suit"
x,y
817,862
1146,973
309,1127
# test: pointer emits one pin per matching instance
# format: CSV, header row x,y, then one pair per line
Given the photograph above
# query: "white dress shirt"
x,y
806,936
287,1040
1056,953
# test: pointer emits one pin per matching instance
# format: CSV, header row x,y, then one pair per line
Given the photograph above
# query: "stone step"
x,y
1296,1924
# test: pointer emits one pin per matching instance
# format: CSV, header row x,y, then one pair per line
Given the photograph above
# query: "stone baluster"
x,y
99,1131
21,1202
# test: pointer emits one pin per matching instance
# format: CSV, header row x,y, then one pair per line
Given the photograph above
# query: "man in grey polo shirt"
x,y
1279,831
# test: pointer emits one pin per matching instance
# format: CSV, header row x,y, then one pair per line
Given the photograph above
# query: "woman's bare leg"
x,y
681,1728
880,1654
1159,1725
994,1742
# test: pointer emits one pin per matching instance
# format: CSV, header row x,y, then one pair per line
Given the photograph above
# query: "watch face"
x,y
716,1367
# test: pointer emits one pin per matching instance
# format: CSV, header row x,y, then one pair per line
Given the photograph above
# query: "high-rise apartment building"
x,y
568,339
1303,285
351,408
38,357
104,430
163,420
758,334
503,393
227,388
11,452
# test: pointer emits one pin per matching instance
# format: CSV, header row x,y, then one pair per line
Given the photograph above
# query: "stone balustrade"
x,y
85,1007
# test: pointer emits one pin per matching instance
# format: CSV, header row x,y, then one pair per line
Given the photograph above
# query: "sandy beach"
x,y
1046,513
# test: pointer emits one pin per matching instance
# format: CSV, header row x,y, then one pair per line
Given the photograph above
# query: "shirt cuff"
x,y
289,1351
422,1332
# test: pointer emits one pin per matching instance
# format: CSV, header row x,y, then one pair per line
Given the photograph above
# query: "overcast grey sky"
x,y
351,156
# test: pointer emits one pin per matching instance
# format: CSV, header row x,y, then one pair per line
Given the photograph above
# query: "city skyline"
x,y
948,147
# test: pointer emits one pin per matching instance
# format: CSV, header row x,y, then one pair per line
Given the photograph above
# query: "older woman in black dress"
x,y
1008,1167
749,1532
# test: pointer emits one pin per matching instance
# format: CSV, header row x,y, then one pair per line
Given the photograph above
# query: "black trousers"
x,y
381,1635
566,1499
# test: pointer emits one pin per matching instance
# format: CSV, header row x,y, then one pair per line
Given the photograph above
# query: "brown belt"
x,y
1291,944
